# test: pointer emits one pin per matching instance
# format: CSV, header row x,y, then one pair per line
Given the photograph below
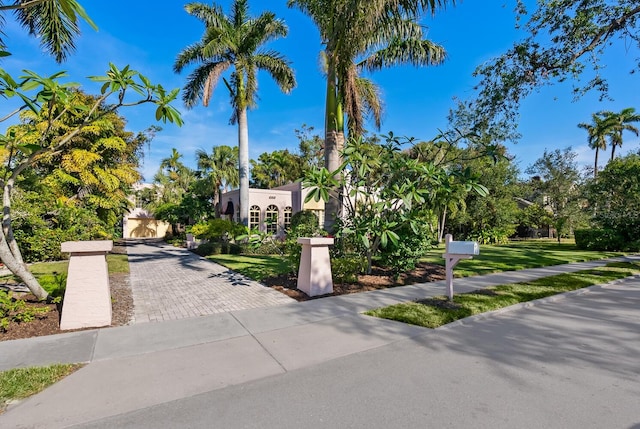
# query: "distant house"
x,y
270,210
140,223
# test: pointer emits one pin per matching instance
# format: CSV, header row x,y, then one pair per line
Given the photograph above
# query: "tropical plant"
x,y
173,179
386,192
363,35
617,123
236,41
54,22
97,168
50,100
597,132
219,169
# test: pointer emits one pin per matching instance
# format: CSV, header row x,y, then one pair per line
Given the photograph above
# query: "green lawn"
x,y
24,382
519,255
256,267
492,259
435,312
53,275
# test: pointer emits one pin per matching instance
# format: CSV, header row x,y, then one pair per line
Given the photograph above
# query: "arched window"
x,y
254,217
271,219
287,218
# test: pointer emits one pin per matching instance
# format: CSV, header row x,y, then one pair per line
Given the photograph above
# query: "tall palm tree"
x,y
54,22
363,35
597,133
236,41
221,168
618,123
173,177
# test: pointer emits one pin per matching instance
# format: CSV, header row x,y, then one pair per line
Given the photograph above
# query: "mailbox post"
x,y
454,252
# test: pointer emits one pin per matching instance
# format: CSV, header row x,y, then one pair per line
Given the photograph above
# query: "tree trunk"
x,y
243,165
333,144
10,253
442,224
595,165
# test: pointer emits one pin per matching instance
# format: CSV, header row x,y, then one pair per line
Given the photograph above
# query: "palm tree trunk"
x,y
595,165
442,224
333,144
243,164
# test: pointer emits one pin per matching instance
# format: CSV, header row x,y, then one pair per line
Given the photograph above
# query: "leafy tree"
x,y
54,22
97,168
234,41
617,192
50,100
363,35
557,185
566,41
277,168
219,169
387,193
494,216
311,147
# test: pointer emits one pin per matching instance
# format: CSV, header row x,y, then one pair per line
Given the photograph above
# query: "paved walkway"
x,y
568,361
170,283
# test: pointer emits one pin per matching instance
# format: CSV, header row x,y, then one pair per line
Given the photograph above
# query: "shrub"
x,y
16,310
217,229
602,239
305,220
346,268
217,248
411,246
303,224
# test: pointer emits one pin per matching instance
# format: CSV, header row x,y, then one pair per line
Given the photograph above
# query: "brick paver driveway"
x,y
172,283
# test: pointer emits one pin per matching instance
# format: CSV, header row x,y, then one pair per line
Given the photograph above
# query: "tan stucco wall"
x,y
145,228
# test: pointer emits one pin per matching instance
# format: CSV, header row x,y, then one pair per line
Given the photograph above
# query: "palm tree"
x,y
234,41
220,168
174,178
618,123
54,22
363,35
597,132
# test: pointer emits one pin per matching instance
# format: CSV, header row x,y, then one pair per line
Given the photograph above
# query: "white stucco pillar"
x,y
87,298
314,274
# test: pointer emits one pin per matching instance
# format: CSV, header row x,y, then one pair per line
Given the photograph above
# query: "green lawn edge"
x,y
436,311
20,383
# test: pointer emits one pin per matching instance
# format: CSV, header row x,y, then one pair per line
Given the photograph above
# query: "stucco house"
x,y
270,210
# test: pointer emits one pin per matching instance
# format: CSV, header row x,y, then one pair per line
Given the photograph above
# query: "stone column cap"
x,y
316,241
87,246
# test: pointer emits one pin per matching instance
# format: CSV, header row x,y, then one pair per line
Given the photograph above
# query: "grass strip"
x,y
21,383
438,311
256,267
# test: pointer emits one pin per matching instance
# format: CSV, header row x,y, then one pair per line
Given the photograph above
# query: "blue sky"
x,y
148,36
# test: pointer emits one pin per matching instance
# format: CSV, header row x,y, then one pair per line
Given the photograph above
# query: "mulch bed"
x,y
48,323
378,279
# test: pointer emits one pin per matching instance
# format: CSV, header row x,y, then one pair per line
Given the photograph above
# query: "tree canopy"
x,y
566,41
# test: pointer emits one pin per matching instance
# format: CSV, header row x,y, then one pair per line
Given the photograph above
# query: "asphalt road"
x,y
573,363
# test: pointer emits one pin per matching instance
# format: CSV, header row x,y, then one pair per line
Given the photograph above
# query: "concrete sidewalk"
x,y
143,368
